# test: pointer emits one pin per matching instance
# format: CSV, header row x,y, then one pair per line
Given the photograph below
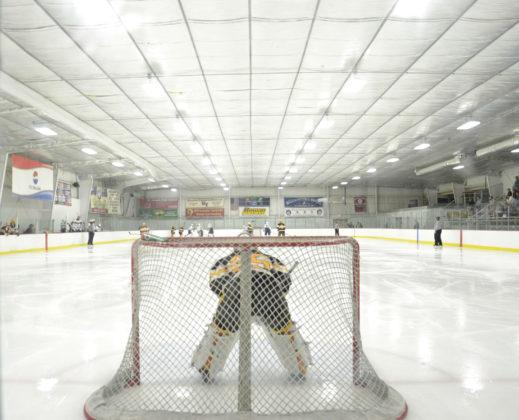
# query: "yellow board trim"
x,y
60,247
456,245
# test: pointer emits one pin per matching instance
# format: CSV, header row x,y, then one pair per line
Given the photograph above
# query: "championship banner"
x,y
211,208
158,208
98,200
304,206
63,193
254,206
113,202
32,179
360,202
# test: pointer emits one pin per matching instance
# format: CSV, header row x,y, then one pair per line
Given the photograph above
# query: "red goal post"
x,y
172,306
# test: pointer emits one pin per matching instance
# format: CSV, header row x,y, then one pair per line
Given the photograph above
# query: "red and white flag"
x,y
32,179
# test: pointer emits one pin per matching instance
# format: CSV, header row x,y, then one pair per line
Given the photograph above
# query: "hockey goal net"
x,y
227,327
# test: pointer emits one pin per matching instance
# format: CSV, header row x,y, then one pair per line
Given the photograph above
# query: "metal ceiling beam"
x,y
25,94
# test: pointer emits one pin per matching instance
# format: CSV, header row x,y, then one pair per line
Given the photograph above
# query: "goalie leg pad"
x,y
212,352
293,352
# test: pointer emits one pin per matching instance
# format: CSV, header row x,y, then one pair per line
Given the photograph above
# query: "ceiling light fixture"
x,y
151,180
173,190
118,164
505,144
138,173
514,150
437,166
456,168
46,131
196,147
335,187
222,184
392,160
288,177
217,178
356,178
88,151
410,9
165,186
468,125
300,159
344,183
226,188
280,188
283,183
206,161
309,146
371,170
422,146
293,170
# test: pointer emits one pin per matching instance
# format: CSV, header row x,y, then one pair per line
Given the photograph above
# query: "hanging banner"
x,y
304,206
98,200
253,206
360,202
158,208
113,201
63,193
32,179
211,208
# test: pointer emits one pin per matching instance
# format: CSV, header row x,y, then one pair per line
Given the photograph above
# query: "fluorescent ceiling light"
x,y
422,146
354,85
173,190
335,187
392,160
88,151
138,173
196,147
371,170
152,88
46,131
165,186
293,170
468,125
151,180
309,125
505,144
217,178
283,183
118,164
437,166
325,123
288,177
222,184
300,159
410,8
310,170
515,150
458,167
309,146
206,161
344,183
212,171
280,188
226,188
356,178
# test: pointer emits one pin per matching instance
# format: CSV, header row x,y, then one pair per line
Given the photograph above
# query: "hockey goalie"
x,y
270,284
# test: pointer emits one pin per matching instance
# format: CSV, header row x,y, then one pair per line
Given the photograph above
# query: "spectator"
x,y
77,225
508,194
210,230
266,229
477,204
491,206
200,230
30,229
63,226
336,229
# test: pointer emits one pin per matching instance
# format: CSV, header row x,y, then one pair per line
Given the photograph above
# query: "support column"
x,y
4,159
244,384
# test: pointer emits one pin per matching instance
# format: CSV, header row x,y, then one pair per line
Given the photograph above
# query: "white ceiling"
x,y
257,84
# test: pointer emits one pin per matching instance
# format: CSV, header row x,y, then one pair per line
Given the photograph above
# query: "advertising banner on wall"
x,y
210,208
304,206
63,193
360,202
32,179
98,200
158,208
253,206
113,201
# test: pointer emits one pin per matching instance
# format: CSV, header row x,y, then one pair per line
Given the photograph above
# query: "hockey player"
x,y
173,230
144,230
210,230
190,230
270,283
266,229
281,228
181,231
91,229
250,228
200,230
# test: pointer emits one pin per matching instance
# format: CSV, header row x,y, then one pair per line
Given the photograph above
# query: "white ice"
x,y
440,326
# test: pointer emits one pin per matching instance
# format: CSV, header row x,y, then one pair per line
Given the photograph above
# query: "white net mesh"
x,y
263,326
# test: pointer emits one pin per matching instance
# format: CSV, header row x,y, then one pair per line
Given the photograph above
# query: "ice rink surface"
x,y
440,326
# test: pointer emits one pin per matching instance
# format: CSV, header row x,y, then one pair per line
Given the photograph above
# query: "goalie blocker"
x,y
270,283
